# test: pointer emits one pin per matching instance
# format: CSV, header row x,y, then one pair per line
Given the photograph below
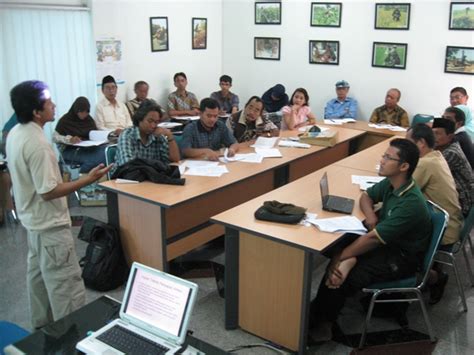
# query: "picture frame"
x,y
392,16
324,52
199,33
159,34
268,13
389,55
267,48
459,60
461,16
326,14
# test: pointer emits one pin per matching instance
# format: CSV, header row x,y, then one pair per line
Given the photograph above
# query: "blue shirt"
x,y
337,109
196,136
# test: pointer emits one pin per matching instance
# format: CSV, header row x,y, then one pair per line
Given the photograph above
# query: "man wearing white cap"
x,y
342,106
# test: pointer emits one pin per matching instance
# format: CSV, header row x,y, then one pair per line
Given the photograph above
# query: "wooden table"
x,y
269,265
368,159
161,222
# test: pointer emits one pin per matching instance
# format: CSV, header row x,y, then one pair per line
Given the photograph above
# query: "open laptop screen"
x,y
157,301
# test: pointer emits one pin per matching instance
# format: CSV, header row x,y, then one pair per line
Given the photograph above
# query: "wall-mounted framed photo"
x,y
267,48
389,55
392,16
159,34
324,52
461,16
326,14
459,60
199,35
268,13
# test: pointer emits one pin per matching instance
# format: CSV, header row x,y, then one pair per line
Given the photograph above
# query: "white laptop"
x,y
155,313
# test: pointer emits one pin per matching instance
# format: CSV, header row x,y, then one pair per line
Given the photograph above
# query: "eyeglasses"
x,y
456,97
388,157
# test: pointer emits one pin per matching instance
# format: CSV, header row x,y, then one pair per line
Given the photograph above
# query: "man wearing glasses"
x,y
111,114
458,98
392,249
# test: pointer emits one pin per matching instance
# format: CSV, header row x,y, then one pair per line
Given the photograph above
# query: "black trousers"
x,y
377,265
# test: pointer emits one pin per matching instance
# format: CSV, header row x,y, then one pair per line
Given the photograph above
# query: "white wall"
x,y
128,21
424,85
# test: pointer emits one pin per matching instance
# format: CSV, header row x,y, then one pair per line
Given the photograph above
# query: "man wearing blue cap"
x,y
342,106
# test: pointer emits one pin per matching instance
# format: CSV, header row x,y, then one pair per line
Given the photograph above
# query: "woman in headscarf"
x,y
73,128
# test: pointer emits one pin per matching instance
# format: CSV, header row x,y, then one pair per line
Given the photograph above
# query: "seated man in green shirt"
x,y
392,249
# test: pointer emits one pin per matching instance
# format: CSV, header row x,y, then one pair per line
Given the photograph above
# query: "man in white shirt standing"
x,y
55,286
111,114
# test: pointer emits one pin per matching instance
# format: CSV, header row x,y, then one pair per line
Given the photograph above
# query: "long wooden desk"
x,y
161,222
368,159
269,265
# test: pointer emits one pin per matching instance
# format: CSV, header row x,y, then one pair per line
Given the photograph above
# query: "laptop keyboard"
x,y
130,342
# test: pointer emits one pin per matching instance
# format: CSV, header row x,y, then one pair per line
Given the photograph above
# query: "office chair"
x,y
412,284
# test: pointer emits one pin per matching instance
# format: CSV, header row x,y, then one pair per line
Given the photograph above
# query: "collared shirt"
x,y
462,137
434,178
398,116
404,220
196,136
188,101
34,170
300,117
462,174
341,109
245,131
112,117
130,146
226,103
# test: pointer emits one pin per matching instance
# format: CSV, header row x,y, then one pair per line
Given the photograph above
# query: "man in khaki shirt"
x,y
391,113
435,180
55,286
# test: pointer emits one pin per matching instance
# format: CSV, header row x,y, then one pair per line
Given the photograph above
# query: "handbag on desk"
x,y
275,211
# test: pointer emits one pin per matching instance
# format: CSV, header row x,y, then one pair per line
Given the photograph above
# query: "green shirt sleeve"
x,y
377,192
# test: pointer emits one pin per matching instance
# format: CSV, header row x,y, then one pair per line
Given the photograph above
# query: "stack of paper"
x,y
333,121
95,138
186,118
366,181
263,142
293,144
387,126
202,168
268,152
169,125
244,158
346,224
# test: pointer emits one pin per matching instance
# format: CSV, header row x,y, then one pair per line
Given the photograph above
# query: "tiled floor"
x,y
453,327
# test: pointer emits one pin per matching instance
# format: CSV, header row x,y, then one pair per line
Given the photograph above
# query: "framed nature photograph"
x,y
159,34
324,52
268,13
461,16
389,55
267,48
326,14
199,27
392,16
459,60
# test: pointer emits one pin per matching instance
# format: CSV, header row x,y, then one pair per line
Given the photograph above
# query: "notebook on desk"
x,y
154,316
334,203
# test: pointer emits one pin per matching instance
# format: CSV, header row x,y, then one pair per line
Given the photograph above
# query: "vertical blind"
x,y
55,46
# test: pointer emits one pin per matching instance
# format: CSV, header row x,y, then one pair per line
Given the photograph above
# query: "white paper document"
x,y
126,181
169,125
387,126
198,163
209,170
268,152
339,224
244,158
264,142
186,118
366,181
293,144
331,121
96,138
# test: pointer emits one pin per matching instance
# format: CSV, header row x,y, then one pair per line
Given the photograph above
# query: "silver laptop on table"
x,y
154,316
334,203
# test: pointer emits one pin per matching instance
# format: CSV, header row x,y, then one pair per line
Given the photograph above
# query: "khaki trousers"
x,y
55,285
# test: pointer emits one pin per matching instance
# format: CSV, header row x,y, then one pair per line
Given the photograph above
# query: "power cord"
x,y
268,345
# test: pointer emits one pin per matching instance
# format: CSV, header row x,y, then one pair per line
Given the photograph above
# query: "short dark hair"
x,y
459,89
179,74
305,94
225,79
145,107
27,97
257,99
208,103
459,114
422,131
408,153
139,83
